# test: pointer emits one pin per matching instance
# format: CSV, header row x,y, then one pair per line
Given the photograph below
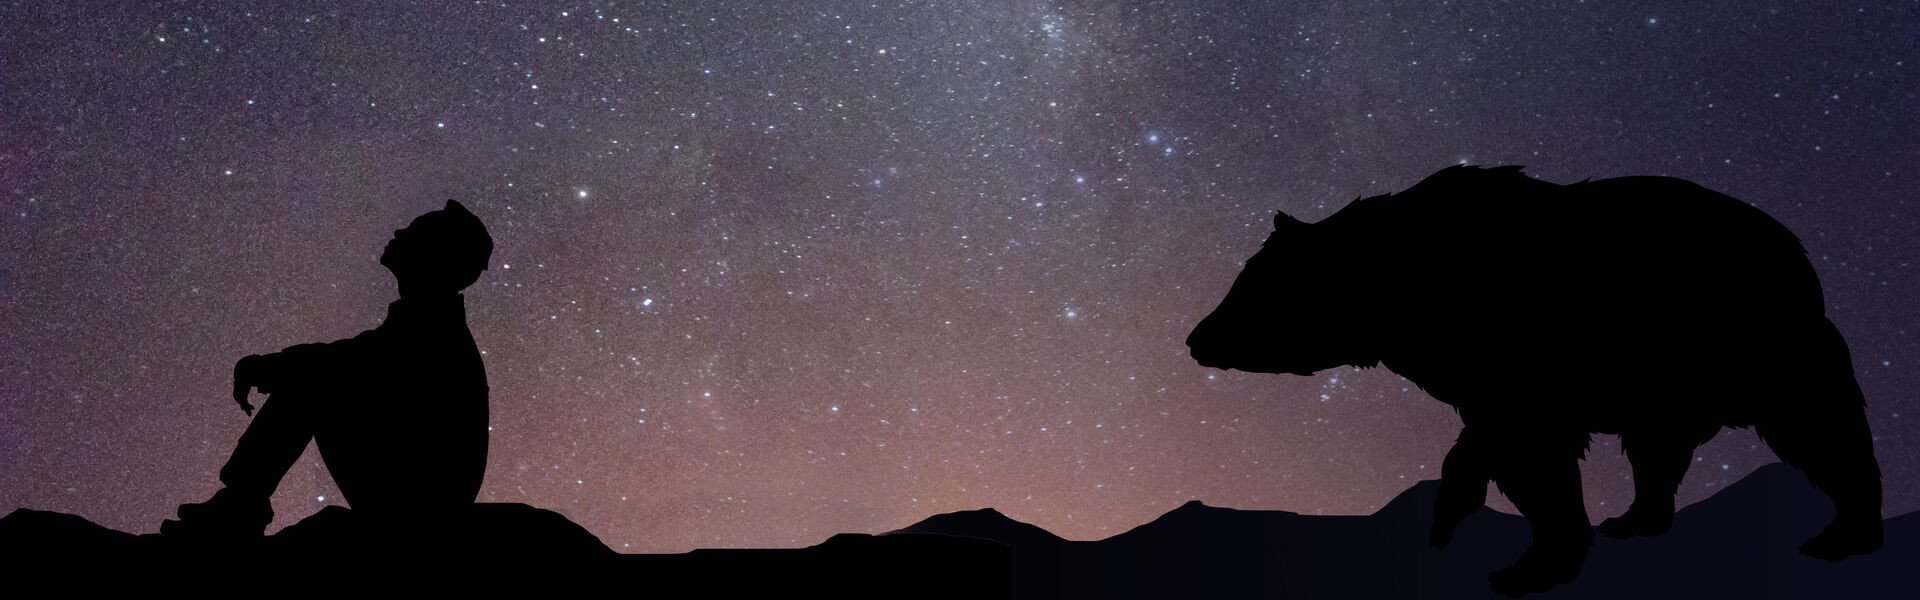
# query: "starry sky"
x,y
770,271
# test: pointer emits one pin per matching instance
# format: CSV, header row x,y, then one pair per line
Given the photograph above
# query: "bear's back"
x,y
1501,245
1502,274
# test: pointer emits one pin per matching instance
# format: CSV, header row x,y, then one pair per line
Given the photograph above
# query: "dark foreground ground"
x,y
1737,544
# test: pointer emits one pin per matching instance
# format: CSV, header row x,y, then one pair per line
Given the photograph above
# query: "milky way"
x,y
771,271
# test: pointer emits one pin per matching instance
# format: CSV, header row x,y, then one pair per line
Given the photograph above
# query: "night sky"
x,y
770,271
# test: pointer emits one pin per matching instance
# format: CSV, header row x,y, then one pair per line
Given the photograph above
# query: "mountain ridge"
x,y
1751,528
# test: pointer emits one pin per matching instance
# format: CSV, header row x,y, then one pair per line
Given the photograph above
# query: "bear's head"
x,y
1295,308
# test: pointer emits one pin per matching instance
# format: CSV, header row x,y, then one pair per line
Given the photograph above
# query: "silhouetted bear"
x,y
1647,307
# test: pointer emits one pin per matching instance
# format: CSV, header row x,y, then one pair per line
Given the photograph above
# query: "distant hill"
x,y
1740,543
985,523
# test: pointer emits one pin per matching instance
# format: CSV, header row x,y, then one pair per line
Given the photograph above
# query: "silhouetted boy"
x,y
399,412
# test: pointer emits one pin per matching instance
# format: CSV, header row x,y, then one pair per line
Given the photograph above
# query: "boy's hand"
x,y
247,375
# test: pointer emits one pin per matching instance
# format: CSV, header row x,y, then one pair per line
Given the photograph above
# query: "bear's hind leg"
x,y
1835,451
1818,424
1660,458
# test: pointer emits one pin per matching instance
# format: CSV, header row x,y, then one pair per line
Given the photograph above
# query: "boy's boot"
x,y
225,516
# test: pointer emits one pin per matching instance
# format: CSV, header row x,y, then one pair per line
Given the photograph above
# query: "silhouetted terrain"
x,y
1741,543
495,547
1738,544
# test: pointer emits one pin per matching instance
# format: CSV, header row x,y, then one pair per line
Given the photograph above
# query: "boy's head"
x,y
441,252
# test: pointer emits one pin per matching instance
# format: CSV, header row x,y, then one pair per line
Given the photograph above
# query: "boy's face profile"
x,y
403,248
438,252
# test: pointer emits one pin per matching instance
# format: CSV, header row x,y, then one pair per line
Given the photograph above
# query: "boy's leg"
x,y
271,444
269,447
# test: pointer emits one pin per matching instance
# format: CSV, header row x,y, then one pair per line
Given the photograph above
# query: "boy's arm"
x,y
290,367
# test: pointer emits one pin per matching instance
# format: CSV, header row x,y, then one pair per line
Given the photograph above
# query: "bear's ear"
x,y
1283,221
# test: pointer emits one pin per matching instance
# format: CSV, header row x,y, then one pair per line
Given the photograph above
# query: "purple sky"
x,y
766,272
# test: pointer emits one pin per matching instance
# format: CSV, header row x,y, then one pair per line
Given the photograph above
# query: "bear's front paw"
x,y
1543,566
